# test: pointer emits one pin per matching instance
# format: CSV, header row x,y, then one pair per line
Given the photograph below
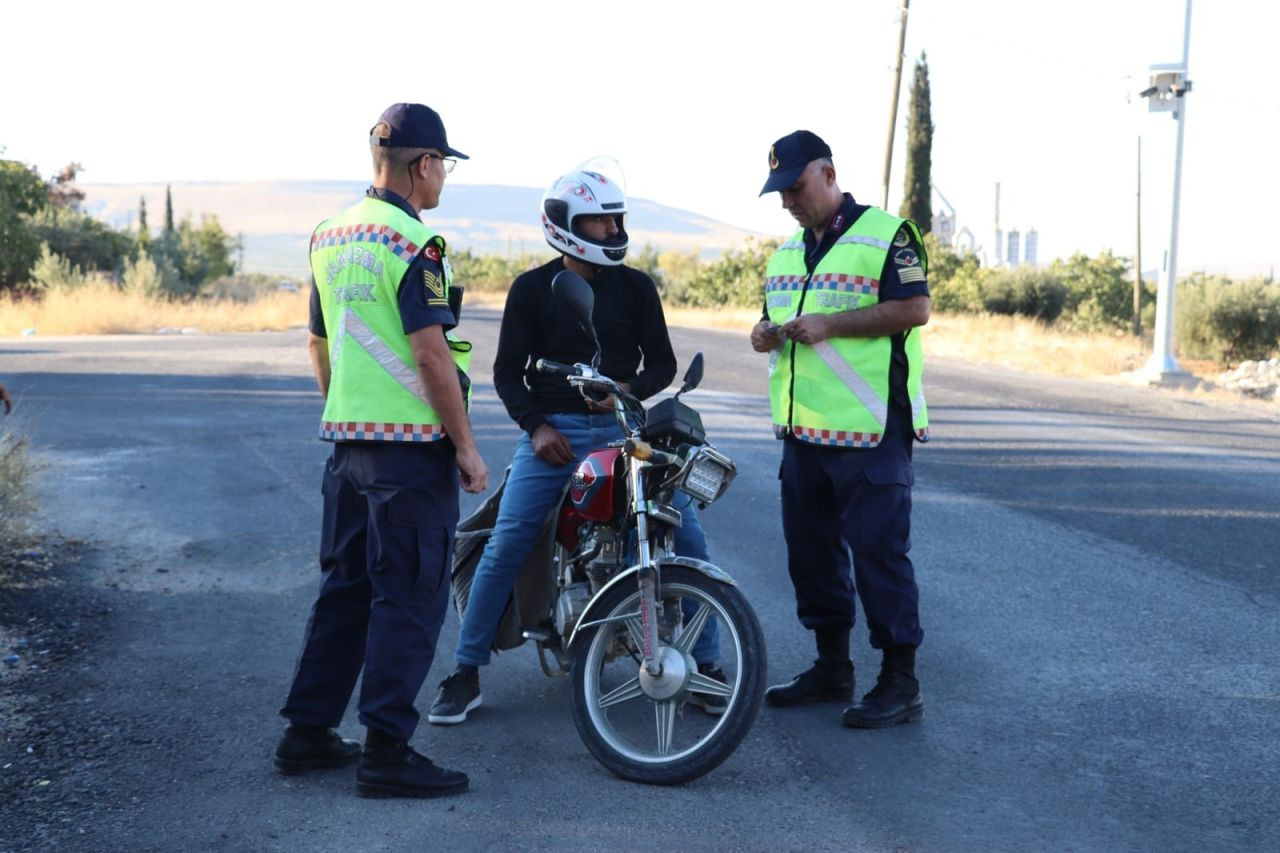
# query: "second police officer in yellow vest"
x,y
395,389
843,298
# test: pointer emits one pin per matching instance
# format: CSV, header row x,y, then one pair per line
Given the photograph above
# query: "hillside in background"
x,y
276,219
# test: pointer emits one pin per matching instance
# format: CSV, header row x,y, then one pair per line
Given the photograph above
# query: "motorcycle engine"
x,y
604,554
570,606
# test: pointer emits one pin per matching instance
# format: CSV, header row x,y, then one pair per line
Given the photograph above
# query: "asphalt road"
x,y
1100,590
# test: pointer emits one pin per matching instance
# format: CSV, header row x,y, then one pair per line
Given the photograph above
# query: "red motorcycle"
x,y
601,593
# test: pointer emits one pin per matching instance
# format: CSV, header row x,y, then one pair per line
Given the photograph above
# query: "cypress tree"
x,y
168,210
144,232
917,197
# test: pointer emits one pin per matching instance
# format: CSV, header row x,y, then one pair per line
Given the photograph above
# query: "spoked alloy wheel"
x,y
656,730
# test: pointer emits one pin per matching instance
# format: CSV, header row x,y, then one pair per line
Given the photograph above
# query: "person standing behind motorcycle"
x,y
843,298
582,218
396,412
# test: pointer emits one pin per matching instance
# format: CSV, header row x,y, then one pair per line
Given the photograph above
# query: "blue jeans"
x,y
533,486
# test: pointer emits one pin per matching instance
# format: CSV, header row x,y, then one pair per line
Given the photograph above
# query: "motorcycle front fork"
x,y
650,604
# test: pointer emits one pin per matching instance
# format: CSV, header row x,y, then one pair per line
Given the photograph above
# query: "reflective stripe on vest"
x,y
352,325
837,392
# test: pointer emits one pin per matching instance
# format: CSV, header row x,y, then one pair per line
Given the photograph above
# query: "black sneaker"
x,y
896,698
304,748
459,694
821,682
396,770
712,703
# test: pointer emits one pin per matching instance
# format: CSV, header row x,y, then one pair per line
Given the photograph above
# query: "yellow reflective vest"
x,y
358,259
837,392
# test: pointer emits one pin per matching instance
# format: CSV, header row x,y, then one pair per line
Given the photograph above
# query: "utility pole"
x,y
1163,366
893,109
1137,255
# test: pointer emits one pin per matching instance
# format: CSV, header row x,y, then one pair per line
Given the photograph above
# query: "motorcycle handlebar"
x,y
546,365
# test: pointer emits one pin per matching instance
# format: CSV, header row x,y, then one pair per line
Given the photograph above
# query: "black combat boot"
x,y
304,748
830,679
896,698
391,768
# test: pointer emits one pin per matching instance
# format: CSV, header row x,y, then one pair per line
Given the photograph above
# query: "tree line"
x,y
48,241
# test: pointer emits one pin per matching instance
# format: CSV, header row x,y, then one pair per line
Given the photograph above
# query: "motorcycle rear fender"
x,y
709,569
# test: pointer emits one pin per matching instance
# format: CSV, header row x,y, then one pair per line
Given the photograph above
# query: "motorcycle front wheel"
x,y
683,724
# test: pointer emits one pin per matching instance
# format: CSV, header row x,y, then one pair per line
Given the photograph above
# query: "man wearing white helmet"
x,y
582,218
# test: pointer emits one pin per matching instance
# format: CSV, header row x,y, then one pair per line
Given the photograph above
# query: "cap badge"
x,y
773,160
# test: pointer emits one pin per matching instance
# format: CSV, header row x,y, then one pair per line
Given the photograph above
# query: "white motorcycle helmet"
x,y
584,192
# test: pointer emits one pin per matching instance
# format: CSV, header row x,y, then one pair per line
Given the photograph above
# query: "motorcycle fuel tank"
x,y
595,484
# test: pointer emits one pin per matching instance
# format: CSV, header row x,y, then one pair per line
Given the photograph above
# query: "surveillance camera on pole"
x,y
1166,92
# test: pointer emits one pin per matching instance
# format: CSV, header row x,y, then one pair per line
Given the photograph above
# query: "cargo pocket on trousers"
x,y
424,545
884,521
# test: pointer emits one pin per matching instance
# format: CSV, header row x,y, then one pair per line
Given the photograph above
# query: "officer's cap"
x,y
414,126
788,157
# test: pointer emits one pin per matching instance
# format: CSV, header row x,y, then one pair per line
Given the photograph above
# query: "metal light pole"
x,y
1163,366
1137,255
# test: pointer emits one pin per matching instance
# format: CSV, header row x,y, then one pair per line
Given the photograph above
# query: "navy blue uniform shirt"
x,y
419,307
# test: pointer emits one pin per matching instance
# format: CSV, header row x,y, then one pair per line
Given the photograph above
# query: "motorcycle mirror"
x,y
692,376
572,289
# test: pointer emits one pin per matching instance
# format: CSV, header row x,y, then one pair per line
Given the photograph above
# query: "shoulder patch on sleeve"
x,y
432,252
902,238
906,258
435,288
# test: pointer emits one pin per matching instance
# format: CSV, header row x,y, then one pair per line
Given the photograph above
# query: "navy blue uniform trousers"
x,y
838,500
386,545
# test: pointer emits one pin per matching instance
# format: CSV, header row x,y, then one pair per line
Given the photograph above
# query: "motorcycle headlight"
x,y
706,474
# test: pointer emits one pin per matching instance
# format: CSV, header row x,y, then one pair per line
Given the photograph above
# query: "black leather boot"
x,y
830,679
391,768
823,682
896,698
304,748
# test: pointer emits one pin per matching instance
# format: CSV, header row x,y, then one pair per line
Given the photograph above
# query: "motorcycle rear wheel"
x,y
666,740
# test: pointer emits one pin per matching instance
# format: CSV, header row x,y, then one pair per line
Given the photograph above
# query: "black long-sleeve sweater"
x,y
629,322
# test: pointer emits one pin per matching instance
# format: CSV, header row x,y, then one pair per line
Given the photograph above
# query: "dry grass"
x,y
1024,344
99,308
987,339
16,468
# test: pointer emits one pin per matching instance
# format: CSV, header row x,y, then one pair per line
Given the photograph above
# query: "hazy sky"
x,y
687,95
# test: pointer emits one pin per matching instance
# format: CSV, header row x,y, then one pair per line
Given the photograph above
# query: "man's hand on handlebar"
x,y
598,401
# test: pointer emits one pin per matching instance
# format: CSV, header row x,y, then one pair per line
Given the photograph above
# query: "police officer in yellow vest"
x,y
843,300
395,387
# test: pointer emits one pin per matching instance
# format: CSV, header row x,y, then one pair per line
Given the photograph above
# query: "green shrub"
x,y
735,280
86,242
490,273
54,272
1099,291
1024,291
1227,321
955,281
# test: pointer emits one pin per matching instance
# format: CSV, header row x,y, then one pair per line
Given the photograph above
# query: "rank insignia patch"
x,y
435,288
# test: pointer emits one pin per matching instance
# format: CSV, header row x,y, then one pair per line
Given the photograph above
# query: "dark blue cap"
x,y
788,157
414,126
